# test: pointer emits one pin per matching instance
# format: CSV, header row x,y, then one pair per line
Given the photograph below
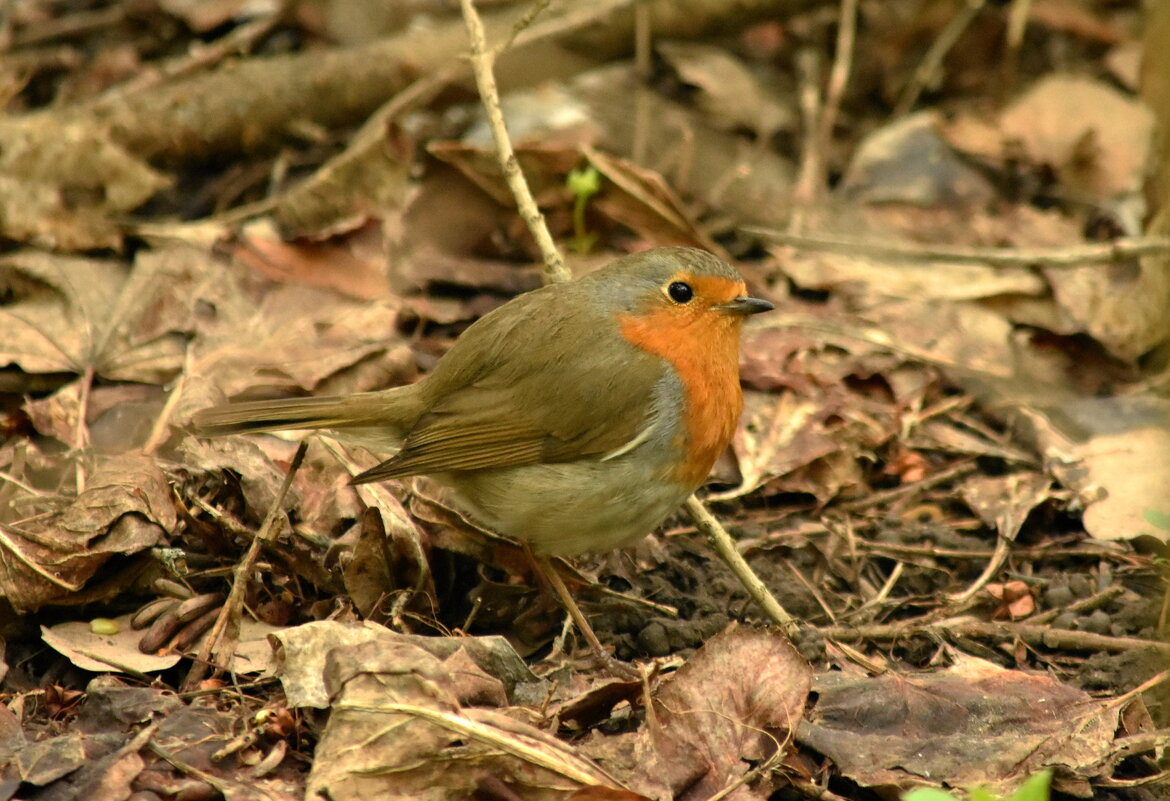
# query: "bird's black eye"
x,y
680,292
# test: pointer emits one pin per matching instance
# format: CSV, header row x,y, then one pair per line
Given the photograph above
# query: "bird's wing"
x,y
530,389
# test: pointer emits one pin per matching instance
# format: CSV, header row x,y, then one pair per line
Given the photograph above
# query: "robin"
x,y
573,418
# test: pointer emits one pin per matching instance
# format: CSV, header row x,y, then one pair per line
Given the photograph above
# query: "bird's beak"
x,y
742,307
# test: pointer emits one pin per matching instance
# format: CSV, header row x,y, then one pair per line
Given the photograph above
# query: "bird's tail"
x,y
388,414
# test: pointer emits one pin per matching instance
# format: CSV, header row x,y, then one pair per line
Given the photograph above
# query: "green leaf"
x,y
1035,788
1157,518
584,182
928,794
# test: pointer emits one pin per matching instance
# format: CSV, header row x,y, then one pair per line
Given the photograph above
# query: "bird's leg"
x,y
549,571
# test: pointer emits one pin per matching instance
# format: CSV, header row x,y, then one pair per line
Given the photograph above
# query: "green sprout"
x,y
1034,789
584,184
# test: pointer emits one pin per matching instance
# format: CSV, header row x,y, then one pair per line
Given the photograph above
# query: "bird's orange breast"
x,y
704,350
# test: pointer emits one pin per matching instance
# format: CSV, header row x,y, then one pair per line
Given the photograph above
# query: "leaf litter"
x,y
950,469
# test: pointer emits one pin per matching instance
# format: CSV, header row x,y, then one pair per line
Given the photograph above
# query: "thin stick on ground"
x,y
723,545
1038,635
232,607
1076,256
838,79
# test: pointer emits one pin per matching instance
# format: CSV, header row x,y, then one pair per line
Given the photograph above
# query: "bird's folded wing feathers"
x,y
575,401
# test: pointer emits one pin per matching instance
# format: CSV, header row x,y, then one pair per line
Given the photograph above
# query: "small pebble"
x,y
1058,596
653,640
1081,586
1098,622
1066,620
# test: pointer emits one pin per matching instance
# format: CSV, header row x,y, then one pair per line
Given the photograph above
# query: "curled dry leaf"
x,y
418,740
735,702
1115,453
125,509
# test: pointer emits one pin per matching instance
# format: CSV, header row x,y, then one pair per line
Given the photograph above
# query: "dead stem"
x,y
485,81
1064,639
721,542
928,68
1118,250
232,607
820,119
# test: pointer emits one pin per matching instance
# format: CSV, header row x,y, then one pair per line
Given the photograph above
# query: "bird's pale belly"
x,y
570,508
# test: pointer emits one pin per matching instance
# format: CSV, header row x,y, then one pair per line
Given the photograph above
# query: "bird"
x,y
574,418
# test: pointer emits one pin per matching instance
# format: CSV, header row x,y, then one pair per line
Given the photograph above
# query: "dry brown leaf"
x,y
643,201
725,172
1006,501
860,275
1097,139
304,651
354,265
1080,19
294,338
125,509
42,762
733,703
973,723
55,309
103,653
1115,453
417,741
777,434
728,93
907,161
950,436
1122,306
63,184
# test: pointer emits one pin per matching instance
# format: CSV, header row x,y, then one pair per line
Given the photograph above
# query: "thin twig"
x,y
820,119
928,68
521,25
1112,252
1084,605
81,431
233,605
642,68
158,432
804,191
1016,27
838,79
719,539
875,499
485,81
1062,639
